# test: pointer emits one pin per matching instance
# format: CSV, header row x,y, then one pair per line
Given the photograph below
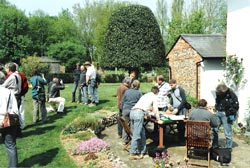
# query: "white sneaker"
x,y
92,104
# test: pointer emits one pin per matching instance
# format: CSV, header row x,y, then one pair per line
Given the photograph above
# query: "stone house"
x,y
195,61
54,65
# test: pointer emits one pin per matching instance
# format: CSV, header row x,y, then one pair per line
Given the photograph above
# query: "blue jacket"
x,y
37,83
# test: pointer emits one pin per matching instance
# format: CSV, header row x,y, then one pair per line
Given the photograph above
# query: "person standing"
x,y
9,134
119,94
38,81
226,106
76,74
129,99
83,85
178,100
92,84
13,81
148,102
54,94
162,97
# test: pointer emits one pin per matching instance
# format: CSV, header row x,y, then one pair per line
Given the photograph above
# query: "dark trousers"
x,y
9,138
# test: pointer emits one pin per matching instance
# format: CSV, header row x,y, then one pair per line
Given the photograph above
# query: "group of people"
x,y
86,78
134,106
171,98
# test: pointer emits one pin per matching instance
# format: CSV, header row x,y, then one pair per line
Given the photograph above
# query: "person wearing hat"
x,y
92,83
226,106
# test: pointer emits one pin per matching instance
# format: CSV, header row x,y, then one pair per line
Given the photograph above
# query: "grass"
x,y
41,145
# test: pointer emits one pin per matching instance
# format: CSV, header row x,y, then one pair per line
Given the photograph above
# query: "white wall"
x,y
211,73
238,35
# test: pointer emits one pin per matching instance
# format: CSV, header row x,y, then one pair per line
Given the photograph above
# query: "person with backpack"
x,y
38,81
92,83
24,90
226,106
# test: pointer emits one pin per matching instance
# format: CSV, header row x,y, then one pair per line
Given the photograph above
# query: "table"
x,y
175,119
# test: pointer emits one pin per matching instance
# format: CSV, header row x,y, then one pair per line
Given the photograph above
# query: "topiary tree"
x,y
133,40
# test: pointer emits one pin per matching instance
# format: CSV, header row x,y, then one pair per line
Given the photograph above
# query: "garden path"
x,y
240,154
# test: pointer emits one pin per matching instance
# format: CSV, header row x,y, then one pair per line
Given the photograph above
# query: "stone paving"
x,y
240,154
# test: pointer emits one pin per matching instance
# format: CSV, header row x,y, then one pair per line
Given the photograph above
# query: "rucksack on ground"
x,y
222,155
24,85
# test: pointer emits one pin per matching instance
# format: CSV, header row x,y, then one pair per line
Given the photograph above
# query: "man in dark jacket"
x,y
226,106
54,94
76,74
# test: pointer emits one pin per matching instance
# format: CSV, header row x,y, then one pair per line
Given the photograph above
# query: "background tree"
x,y
40,31
175,25
133,39
196,17
13,33
69,53
162,16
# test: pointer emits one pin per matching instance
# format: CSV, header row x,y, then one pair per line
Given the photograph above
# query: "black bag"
x,y
41,96
222,155
188,105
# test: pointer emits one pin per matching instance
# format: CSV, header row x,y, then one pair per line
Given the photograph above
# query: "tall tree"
x,y
175,26
40,31
133,39
92,21
162,15
13,29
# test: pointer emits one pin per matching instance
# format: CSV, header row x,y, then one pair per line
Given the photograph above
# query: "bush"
x,y
133,39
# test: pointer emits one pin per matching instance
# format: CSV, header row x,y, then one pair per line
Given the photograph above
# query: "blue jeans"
x,y
93,92
138,143
119,125
75,85
9,138
84,91
222,119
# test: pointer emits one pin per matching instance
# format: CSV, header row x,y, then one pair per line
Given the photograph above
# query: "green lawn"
x,y
40,145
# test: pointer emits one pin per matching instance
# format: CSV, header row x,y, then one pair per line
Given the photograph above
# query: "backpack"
x,y
24,85
222,155
232,103
98,77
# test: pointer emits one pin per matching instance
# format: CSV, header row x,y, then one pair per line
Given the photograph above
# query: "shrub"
x,y
133,39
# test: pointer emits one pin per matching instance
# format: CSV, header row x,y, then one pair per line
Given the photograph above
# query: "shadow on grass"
x,y
41,159
52,116
37,131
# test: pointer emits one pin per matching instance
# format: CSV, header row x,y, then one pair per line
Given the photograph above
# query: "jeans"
x,y
119,125
75,85
222,120
84,92
9,139
125,114
93,92
138,143
39,106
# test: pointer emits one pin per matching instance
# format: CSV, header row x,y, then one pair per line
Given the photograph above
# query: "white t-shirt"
x,y
91,72
148,102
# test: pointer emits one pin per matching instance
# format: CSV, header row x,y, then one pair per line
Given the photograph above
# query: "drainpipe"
x,y
169,73
197,75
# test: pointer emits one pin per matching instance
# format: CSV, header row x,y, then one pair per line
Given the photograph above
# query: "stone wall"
x,y
182,60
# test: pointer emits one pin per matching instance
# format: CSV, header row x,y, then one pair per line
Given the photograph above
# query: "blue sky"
x,y
53,7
